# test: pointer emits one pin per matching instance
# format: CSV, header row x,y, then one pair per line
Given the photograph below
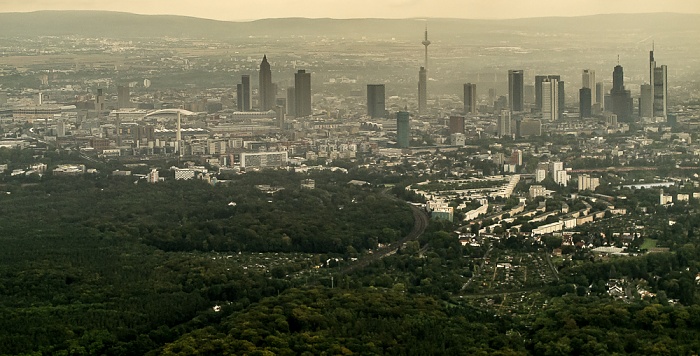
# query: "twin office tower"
x,y
298,100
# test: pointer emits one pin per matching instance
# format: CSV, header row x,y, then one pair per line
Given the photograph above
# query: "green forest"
x,y
100,265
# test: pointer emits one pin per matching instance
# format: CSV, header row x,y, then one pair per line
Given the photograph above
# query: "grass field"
x,y
648,244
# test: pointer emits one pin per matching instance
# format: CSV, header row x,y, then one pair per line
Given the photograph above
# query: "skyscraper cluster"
x,y
298,97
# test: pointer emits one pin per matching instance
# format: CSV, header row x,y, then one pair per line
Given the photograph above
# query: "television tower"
x,y
426,43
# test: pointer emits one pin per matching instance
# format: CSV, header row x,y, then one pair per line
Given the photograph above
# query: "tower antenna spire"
x,y
426,43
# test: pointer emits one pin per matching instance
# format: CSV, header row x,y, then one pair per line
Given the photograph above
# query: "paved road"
x,y
420,222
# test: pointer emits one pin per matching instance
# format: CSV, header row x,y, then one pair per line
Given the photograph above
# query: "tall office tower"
x,y
621,99
550,99
529,92
291,102
646,101
422,91
247,103
403,129
456,124
584,95
659,89
282,102
123,97
516,90
376,104
239,97
538,89
470,98
99,101
504,124
302,93
266,89
561,105
588,81
600,96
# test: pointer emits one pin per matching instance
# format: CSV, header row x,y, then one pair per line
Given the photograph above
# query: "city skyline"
x,y
231,11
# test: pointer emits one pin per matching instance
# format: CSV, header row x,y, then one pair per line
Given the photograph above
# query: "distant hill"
x,y
126,25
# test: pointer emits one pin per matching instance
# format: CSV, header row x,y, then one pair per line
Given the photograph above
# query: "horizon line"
x,y
362,18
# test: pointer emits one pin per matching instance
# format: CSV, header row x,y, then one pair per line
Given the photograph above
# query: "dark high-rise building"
x,y
600,95
621,99
267,90
422,91
291,102
470,98
239,97
99,101
123,97
562,98
456,124
585,102
376,105
516,92
588,81
302,93
403,129
245,85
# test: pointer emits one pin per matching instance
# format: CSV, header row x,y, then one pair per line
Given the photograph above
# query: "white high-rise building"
x,y
586,182
561,178
550,99
540,175
153,176
504,124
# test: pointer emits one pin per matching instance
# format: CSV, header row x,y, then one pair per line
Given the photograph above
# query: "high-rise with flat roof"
x,y
538,88
291,102
470,98
376,105
456,124
302,93
504,124
403,129
588,81
584,95
123,97
550,99
516,90
239,97
245,96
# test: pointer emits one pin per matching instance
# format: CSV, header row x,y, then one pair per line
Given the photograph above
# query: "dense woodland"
x,y
98,265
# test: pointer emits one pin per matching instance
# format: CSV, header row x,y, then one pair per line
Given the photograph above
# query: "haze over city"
x,y
260,9
326,177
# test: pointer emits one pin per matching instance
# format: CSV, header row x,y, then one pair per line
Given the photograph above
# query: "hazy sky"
x,y
256,9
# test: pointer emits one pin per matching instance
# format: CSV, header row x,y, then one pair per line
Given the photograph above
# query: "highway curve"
x,y
420,223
